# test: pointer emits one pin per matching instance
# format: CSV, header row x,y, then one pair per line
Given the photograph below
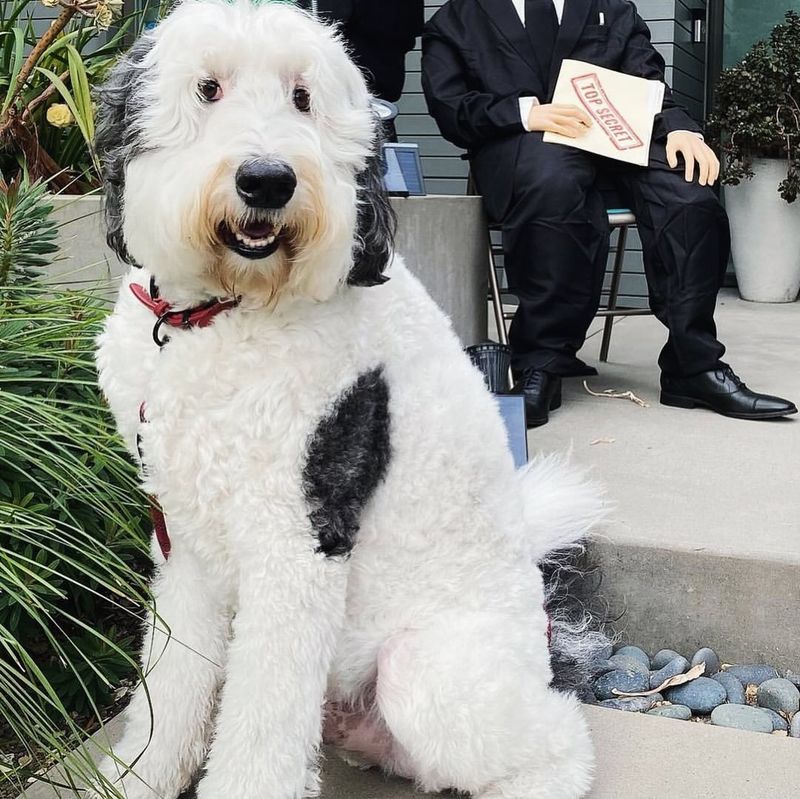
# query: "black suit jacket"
x,y
478,61
380,33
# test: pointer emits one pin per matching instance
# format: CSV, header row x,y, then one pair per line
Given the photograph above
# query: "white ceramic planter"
x,y
765,232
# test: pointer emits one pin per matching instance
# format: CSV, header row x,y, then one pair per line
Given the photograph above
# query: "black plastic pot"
x,y
494,361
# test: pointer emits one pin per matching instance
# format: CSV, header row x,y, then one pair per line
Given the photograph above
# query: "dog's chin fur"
x,y
345,518
307,229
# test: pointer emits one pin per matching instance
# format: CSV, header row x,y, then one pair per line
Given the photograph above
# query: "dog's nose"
x,y
265,184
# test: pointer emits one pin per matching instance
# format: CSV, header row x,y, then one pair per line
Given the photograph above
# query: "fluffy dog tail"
x,y
561,508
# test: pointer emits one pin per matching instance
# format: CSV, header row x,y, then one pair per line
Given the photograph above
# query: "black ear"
x,y
118,135
376,223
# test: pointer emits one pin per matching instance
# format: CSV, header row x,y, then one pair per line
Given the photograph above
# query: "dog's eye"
x,y
209,90
301,99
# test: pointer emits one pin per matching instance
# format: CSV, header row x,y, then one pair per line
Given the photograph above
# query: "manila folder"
x,y
622,107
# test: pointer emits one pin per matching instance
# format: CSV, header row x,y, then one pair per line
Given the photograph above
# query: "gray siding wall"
x,y
670,23
41,17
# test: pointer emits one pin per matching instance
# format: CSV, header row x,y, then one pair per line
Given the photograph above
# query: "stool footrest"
x,y
624,312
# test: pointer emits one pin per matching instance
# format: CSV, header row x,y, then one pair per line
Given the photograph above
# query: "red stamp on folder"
x,y
594,98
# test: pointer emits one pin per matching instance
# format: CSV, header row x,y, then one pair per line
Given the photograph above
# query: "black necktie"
x,y
541,22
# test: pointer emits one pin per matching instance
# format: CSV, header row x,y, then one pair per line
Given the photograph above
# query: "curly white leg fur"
x,y
168,723
468,704
269,724
567,770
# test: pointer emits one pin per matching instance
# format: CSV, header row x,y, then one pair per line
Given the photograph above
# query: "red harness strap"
x,y
194,316
156,514
197,316
160,527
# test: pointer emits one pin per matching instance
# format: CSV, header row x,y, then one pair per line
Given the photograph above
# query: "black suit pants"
x,y
556,240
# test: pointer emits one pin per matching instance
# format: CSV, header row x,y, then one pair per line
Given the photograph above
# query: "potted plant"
x,y
74,531
757,124
46,114
47,75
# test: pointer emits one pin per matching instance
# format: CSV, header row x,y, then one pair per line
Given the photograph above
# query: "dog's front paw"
x,y
218,785
114,781
129,788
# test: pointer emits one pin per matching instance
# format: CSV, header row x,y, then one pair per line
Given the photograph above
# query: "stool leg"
x,y
497,299
494,286
613,292
497,306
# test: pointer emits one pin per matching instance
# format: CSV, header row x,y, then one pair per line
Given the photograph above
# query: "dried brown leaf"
x,y
610,393
679,679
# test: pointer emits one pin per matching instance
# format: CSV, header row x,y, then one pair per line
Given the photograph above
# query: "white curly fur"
x,y
562,505
435,623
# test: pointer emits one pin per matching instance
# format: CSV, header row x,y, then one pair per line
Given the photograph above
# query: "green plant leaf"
x,y
73,529
80,86
16,65
66,95
757,108
59,44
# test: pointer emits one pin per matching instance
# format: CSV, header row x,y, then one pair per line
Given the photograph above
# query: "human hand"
x,y
694,151
567,120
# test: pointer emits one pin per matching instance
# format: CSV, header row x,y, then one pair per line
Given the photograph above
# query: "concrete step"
x,y
703,547
642,757
745,608
638,757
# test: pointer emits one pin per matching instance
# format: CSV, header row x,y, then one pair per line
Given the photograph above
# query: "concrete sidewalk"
x,y
641,757
692,479
638,757
703,547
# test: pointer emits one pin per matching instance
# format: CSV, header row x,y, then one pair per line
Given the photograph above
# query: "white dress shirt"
x,y
520,6
526,103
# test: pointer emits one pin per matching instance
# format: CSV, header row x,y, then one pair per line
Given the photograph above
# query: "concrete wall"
x,y
440,238
445,172
443,244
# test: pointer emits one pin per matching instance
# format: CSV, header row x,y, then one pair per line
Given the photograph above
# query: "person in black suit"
x,y
489,69
380,33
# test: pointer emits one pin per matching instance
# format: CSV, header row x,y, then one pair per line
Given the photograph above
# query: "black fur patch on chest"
x,y
347,459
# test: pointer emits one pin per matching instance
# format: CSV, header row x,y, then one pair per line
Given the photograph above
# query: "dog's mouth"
x,y
252,238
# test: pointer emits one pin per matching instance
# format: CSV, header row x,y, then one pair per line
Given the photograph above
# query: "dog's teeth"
x,y
248,241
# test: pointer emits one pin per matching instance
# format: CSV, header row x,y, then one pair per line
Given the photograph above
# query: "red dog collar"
x,y
195,316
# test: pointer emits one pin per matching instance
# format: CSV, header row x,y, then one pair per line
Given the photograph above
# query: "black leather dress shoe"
x,y
542,392
722,391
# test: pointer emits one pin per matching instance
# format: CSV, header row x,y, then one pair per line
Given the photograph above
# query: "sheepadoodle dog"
x,y
345,552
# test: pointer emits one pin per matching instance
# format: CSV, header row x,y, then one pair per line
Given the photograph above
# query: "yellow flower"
x,y
103,17
59,116
50,3
115,6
